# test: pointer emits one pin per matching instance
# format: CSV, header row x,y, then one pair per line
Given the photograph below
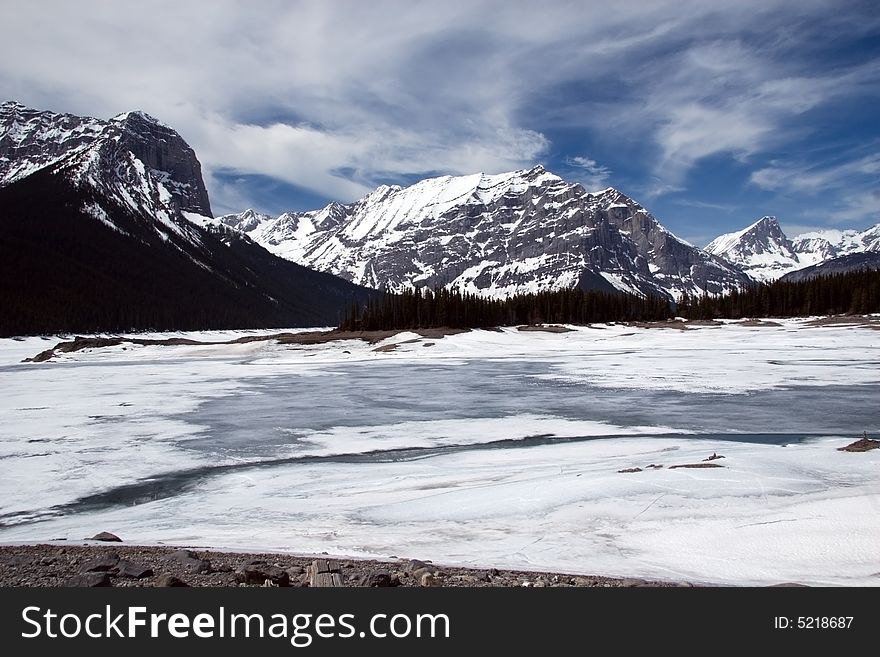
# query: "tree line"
x,y
856,293
849,293
441,307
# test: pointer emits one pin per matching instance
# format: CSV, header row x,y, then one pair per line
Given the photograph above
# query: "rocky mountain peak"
x,y
32,139
761,249
245,221
765,235
765,252
139,117
495,235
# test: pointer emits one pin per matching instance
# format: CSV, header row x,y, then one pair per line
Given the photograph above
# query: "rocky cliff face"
x,y
105,226
763,251
31,140
822,245
497,235
168,157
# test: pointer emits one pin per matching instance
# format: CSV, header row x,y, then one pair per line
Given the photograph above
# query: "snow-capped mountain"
x,y
133,148
844,264
493,235
105,225
763,251
822,245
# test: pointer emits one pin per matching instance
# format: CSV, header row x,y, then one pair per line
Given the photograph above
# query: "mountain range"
x,y
106,226
764,252
493,235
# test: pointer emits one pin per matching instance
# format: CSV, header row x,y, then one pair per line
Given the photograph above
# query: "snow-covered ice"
x,y
484,448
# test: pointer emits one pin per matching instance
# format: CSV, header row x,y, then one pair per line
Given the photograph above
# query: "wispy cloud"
x,y
846,191
852,207
588,172
727,98
338,96
793,230
703,205
816,179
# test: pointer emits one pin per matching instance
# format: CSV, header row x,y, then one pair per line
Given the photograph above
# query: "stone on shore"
x,y
167,580
102,563
88,580
131,570
260,572
191,561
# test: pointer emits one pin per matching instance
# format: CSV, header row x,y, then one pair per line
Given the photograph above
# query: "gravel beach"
x,y
116,564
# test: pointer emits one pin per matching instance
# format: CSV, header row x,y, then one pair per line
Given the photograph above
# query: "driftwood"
x,y
324,573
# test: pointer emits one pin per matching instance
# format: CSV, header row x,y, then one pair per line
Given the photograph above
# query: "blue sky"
x,y
709,114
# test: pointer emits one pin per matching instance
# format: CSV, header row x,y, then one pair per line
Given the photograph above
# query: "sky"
x,y
709,114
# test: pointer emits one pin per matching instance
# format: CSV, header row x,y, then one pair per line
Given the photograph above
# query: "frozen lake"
x,y
485,448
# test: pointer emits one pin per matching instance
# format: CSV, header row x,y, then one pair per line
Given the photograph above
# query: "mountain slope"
x,y
31,140
94,239
763,251
494,235
822,245
869,260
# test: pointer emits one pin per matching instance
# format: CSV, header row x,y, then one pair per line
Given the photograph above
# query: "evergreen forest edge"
x,y
855,293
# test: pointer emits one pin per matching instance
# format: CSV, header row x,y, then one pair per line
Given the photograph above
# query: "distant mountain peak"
x,y
495,235
767,222
31,140
139,116
761,249
108,227
764,252
9,105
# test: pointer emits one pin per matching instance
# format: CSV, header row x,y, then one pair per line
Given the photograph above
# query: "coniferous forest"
x,y
849,293
63,271
425,308
855,293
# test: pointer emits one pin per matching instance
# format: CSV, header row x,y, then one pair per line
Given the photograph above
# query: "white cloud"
x,y
845,192
303,91
588,172
725,98
703,205
801,177
857,208
793,230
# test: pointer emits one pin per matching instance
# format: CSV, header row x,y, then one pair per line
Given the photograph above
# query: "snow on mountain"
x,y
822,245
143,152
66,180
493,235
763,251
857,261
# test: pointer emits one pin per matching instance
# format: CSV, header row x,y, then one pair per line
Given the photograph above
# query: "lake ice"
x,y
485,448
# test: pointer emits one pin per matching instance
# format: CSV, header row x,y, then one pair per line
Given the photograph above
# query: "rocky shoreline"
x,y
116,564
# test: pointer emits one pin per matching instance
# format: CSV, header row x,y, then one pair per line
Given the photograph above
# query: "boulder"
x,y
376,580
260,573
107,537
101,564
191,561
89,580
418,572
132,570
170,580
